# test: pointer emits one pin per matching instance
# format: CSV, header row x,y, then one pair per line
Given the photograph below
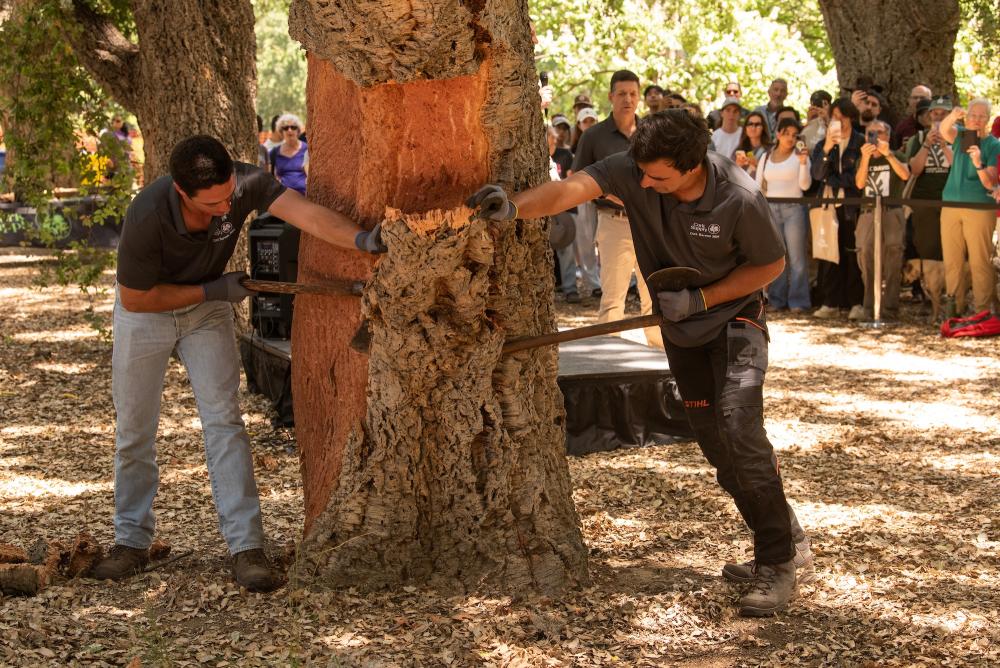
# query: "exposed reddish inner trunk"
x,y
414,147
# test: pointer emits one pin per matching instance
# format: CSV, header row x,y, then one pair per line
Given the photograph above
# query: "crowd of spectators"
x,y
938,155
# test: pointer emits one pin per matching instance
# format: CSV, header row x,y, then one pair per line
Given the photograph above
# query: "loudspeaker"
x,y
274,256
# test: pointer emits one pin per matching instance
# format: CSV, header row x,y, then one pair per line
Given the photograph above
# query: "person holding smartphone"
x,y
784,172
754,142
834,164
880,172
972,179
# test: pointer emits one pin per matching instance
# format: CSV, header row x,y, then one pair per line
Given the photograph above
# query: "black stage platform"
x,y
617,393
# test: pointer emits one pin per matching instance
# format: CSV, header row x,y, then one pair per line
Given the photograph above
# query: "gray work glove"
x,y
493,204
676,305
371,242
227,288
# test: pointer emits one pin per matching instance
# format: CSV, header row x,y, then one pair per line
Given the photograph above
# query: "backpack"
x,y
983,323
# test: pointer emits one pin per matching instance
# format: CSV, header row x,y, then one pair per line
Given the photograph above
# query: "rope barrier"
x,y
886,201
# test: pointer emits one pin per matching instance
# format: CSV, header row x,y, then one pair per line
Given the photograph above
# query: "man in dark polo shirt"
x,y
689,207
179,233
614,239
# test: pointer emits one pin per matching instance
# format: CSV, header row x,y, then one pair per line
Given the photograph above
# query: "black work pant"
x,y
840,284
722,385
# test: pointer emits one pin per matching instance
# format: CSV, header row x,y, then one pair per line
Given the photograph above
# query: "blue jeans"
x,y
206,343
791,288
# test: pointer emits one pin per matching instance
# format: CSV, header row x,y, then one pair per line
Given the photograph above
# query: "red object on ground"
x,y
983,323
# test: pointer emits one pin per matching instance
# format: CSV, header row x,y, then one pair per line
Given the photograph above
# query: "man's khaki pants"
x,y
969,230
893,232
614,243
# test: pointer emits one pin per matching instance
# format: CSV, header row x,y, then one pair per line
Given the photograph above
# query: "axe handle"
x,y
514,345
328,287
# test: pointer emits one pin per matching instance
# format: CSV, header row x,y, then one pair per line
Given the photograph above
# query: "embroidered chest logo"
x,y
705,230
224,230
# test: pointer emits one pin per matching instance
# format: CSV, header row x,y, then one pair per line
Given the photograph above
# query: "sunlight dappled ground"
x,y
888,442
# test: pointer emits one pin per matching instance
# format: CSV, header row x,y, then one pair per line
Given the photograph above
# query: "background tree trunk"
x,y
899,43
191,72
434,460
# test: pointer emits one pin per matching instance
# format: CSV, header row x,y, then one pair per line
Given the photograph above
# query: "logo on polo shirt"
x,y
705,230
224,230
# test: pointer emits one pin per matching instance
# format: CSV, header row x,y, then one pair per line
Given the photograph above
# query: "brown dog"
x,y
931,276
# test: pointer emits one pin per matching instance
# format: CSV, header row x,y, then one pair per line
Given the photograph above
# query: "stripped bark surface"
x,y
435,461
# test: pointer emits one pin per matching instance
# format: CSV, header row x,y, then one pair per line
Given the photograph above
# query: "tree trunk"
x,y
434,460
898,43
192,72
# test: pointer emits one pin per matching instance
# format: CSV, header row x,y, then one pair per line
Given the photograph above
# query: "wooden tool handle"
x,y
328,287
513,345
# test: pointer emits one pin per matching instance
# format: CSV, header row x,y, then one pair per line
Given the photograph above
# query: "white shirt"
x,y
787,178
726,143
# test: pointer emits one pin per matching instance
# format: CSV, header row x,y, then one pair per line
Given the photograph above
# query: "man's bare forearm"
x,y
159,298
556,196
741,282
331,226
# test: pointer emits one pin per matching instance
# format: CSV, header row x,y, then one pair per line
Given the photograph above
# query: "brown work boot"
x,y
122,562
252,570
771,591
746,572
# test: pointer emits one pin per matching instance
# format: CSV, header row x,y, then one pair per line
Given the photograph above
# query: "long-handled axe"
x,y
669,279
336,286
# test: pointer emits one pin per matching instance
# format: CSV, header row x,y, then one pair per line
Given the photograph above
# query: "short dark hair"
x,y
623,75
787,108
846,109
274,122
820,96
653,87
788,123
200,162
260,123
674,135
677,96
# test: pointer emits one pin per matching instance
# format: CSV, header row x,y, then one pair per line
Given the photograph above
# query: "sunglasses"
x,y
289,127
754,125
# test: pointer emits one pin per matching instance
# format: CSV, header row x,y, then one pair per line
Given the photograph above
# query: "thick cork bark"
x,y
433,460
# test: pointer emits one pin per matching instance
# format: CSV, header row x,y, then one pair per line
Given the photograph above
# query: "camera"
x,y
872,137
800,146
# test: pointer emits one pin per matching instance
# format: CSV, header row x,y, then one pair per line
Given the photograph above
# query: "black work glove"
x,y
676,305
371,242
493,204
227,288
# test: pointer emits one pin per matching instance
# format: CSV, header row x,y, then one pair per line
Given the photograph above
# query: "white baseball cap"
x,y
585,113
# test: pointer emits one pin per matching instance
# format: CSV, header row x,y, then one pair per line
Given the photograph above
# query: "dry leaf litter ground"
x,y
889,442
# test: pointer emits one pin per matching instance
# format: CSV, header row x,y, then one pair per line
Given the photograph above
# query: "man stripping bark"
x,y
172,292
691,207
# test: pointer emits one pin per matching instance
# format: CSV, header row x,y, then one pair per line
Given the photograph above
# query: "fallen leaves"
x,y
887,442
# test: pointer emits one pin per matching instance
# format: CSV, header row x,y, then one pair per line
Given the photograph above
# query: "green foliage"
x,y
688,46
281,62
977,50
48,100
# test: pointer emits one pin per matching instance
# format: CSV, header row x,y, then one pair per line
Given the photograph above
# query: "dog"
x,y
930,273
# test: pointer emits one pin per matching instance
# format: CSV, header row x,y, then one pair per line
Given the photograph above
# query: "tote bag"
x,y
823,223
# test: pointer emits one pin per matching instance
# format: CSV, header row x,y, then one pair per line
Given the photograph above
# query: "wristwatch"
x,y
979,169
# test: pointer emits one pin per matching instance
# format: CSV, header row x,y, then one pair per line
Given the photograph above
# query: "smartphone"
x,y
800,146
872,136
740,154
970,138
834,126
